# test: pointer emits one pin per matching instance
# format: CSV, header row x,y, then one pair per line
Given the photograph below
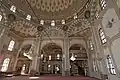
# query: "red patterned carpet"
x,y
47,78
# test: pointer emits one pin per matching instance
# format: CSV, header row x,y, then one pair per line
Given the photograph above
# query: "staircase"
x,y
79,69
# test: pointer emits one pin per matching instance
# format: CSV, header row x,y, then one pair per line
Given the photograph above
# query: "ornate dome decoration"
x,y
51,5
78,26
23,29
51,9
53,32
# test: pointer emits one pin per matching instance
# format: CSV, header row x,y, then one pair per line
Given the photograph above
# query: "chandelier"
x,y
72,57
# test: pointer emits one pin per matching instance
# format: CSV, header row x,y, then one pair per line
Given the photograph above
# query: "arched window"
x,y
52,23
5,65
97,15
42,22
49,57
111,65
102,36
95,66
91,45
0,17
11,45
58,56
103,4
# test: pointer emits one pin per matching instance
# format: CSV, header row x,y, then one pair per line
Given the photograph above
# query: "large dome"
x,y
48,11
51,9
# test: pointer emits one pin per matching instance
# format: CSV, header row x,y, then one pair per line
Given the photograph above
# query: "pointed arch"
x,y
5,64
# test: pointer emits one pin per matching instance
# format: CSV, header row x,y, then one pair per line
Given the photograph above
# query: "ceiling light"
x,y
72,58
27,55
49,57
57,68
58,56
42,22
28,17
52,23
13,8
63,21
75,55
0,17
49,65
41,55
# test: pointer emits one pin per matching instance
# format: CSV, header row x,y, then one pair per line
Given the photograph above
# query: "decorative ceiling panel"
x,y
51,9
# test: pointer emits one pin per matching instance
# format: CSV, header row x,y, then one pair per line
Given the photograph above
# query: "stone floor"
x,y
47,78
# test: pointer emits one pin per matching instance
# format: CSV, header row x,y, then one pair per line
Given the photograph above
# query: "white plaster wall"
x,y
113,77
116,52
116,25
6,40
118,3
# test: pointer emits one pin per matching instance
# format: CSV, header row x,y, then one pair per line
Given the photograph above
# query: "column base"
x,y
67,73
33,73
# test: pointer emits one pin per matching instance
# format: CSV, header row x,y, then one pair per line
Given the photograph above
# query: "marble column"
x,y
89,60
2,33
99,50
16,60
36,58
66,59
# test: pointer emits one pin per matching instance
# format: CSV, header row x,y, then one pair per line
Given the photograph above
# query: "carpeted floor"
x,y
47,78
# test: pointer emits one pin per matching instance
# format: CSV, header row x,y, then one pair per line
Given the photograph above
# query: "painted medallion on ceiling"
x,y
51,9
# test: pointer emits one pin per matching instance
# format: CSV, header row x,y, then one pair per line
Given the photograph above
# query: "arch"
x,y
51,51
26,47
78,41
78,57
78,50
51,57
77,46
5,64
51,45
21,22
53,31
58,42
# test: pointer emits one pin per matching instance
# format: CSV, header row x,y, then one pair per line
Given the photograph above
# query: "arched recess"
x,y
79,66
51,59
24,58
